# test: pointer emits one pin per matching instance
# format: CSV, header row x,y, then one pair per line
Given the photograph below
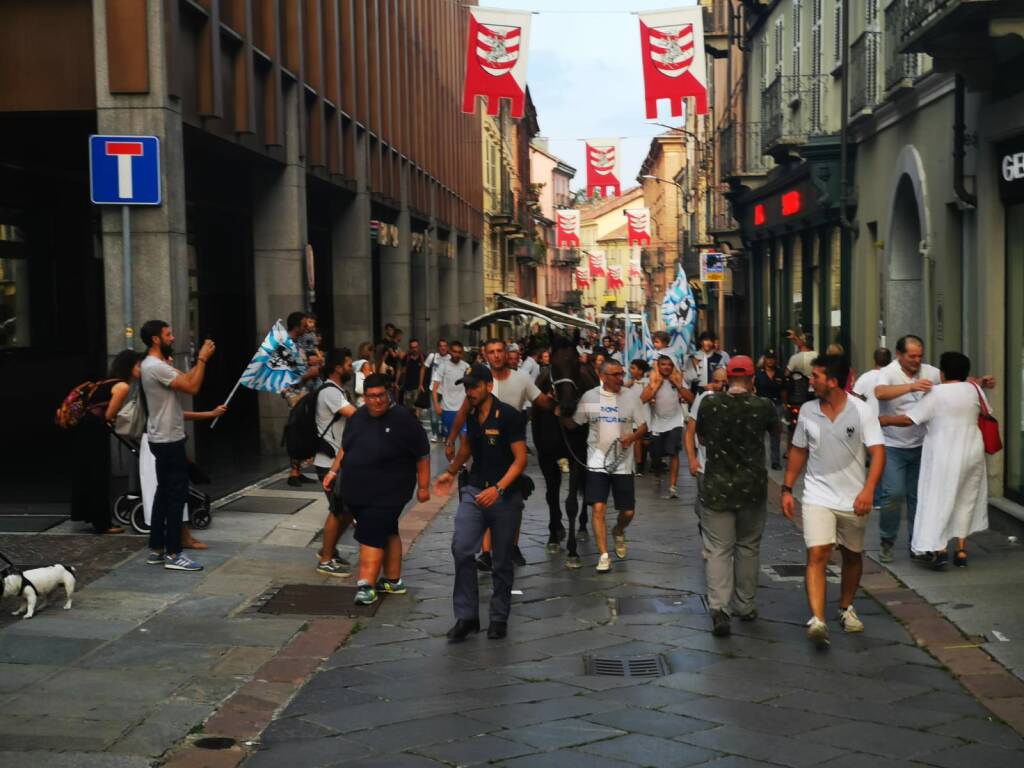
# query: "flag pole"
x,y
234,389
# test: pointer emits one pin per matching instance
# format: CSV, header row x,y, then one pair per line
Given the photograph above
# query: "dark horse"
x,y
565,380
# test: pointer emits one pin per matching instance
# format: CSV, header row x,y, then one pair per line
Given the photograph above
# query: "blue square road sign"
x,y
124,170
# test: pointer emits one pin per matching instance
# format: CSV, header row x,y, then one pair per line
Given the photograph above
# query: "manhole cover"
x,y
625,606
267,505
315,600
792,572
634,666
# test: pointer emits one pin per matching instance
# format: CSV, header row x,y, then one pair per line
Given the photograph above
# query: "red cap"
x,y
741,365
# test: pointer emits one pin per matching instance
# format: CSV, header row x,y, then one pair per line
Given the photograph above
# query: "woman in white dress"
x,y
952,489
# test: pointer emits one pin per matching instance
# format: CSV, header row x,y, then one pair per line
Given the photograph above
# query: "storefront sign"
x,y
791,204
1011,170
712,267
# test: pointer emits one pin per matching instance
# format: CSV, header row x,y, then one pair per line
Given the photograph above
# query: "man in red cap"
x,y
731,426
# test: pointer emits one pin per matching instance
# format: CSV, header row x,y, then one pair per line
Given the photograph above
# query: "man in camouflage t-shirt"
x,y
731,426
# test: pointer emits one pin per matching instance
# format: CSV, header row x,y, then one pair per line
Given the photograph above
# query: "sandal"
x,y
960,559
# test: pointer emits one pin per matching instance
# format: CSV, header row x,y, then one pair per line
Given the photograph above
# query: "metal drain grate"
x,y
314,600
635,666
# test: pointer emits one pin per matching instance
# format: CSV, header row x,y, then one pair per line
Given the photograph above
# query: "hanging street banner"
x,y
674,61
598,264
615,280
567,234
639,220
712,267
496,60
634,268
603,168
582,278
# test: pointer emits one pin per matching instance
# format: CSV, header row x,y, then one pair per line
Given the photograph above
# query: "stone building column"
x,y
279,235
353,268
448,284
396,268
159,257
467,286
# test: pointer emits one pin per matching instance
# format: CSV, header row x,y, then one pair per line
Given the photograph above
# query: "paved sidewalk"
x,y
398,695
147,656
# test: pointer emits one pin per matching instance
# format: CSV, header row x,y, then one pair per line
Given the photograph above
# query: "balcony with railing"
x,y
864,74
716,22
901,69
741,151
772,114
957,31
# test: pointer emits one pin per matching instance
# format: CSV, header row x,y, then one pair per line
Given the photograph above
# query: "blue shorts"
x,y
448,420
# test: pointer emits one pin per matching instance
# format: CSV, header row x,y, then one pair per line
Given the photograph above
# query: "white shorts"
x,y
824,526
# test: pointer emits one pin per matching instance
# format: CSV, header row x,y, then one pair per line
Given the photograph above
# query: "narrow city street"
x,y
399,695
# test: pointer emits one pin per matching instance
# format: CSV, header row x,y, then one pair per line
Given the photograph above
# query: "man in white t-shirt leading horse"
x,y
833,437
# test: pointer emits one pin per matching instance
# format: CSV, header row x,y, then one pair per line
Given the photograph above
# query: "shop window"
x,y
1014,423
835,269
796,285
15,318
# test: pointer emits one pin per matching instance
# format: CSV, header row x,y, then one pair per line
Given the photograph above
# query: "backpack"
x,y
301,439
798,389
76,405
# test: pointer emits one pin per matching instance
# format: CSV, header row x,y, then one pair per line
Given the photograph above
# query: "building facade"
x,y
664,196
603,230
333,125
550,178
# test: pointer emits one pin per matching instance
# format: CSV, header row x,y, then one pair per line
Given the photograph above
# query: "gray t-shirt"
x,y
517,390
166,422
330,400
666,409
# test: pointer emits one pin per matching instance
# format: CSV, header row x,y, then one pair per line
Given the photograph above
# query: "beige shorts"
x,y
823,526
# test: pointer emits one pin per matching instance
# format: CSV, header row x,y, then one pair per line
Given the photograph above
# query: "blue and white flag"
x,y
277,365
679,314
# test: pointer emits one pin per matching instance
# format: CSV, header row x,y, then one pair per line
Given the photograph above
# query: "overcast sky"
x,y
586,78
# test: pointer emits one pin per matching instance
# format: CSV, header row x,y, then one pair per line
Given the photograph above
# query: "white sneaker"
x,y
850,621
604,564
620,544
817,632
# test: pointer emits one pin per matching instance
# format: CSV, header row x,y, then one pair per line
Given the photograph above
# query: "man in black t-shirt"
x,y
496,440
385,456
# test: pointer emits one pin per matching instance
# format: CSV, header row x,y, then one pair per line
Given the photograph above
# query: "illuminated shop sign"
x,y
1010,157
787,206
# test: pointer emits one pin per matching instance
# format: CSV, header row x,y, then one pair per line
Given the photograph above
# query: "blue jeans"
x,y
899,481
171,496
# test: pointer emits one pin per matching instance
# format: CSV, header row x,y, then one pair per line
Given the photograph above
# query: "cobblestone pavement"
x,y
398,695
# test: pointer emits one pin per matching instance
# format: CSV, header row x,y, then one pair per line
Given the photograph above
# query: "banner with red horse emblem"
x,y
603,168
496,60
674,61
639,220
615,278
598,264
568,229
582,278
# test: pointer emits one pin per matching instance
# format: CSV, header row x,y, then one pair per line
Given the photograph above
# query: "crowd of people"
x,y
902,434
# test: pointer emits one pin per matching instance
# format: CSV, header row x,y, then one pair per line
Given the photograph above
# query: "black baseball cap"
x,y
476,374
770,352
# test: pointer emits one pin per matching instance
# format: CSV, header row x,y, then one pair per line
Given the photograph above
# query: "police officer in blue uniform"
x,y
489,498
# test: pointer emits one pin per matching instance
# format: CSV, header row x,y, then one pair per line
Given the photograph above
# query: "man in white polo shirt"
x,y
901,384
833,437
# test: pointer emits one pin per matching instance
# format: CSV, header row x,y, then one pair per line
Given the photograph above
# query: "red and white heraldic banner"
x,y
639,226
598,264
496,59
567,233
615,281
635,268
582,278
603,168
674,63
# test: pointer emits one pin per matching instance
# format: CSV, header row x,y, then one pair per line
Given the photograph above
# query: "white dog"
x,y
33,587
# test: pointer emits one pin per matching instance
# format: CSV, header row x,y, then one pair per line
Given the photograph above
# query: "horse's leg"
x,y
552,484
582,531
572,507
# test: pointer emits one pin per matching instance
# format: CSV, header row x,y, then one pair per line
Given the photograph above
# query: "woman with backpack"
x,y
90,469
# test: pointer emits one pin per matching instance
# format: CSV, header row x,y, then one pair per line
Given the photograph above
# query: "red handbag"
x,y
989,427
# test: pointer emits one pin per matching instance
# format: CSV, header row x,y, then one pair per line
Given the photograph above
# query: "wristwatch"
x,y
787,489
499,489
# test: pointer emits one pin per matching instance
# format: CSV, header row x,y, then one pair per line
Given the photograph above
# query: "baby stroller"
x,y
129,508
